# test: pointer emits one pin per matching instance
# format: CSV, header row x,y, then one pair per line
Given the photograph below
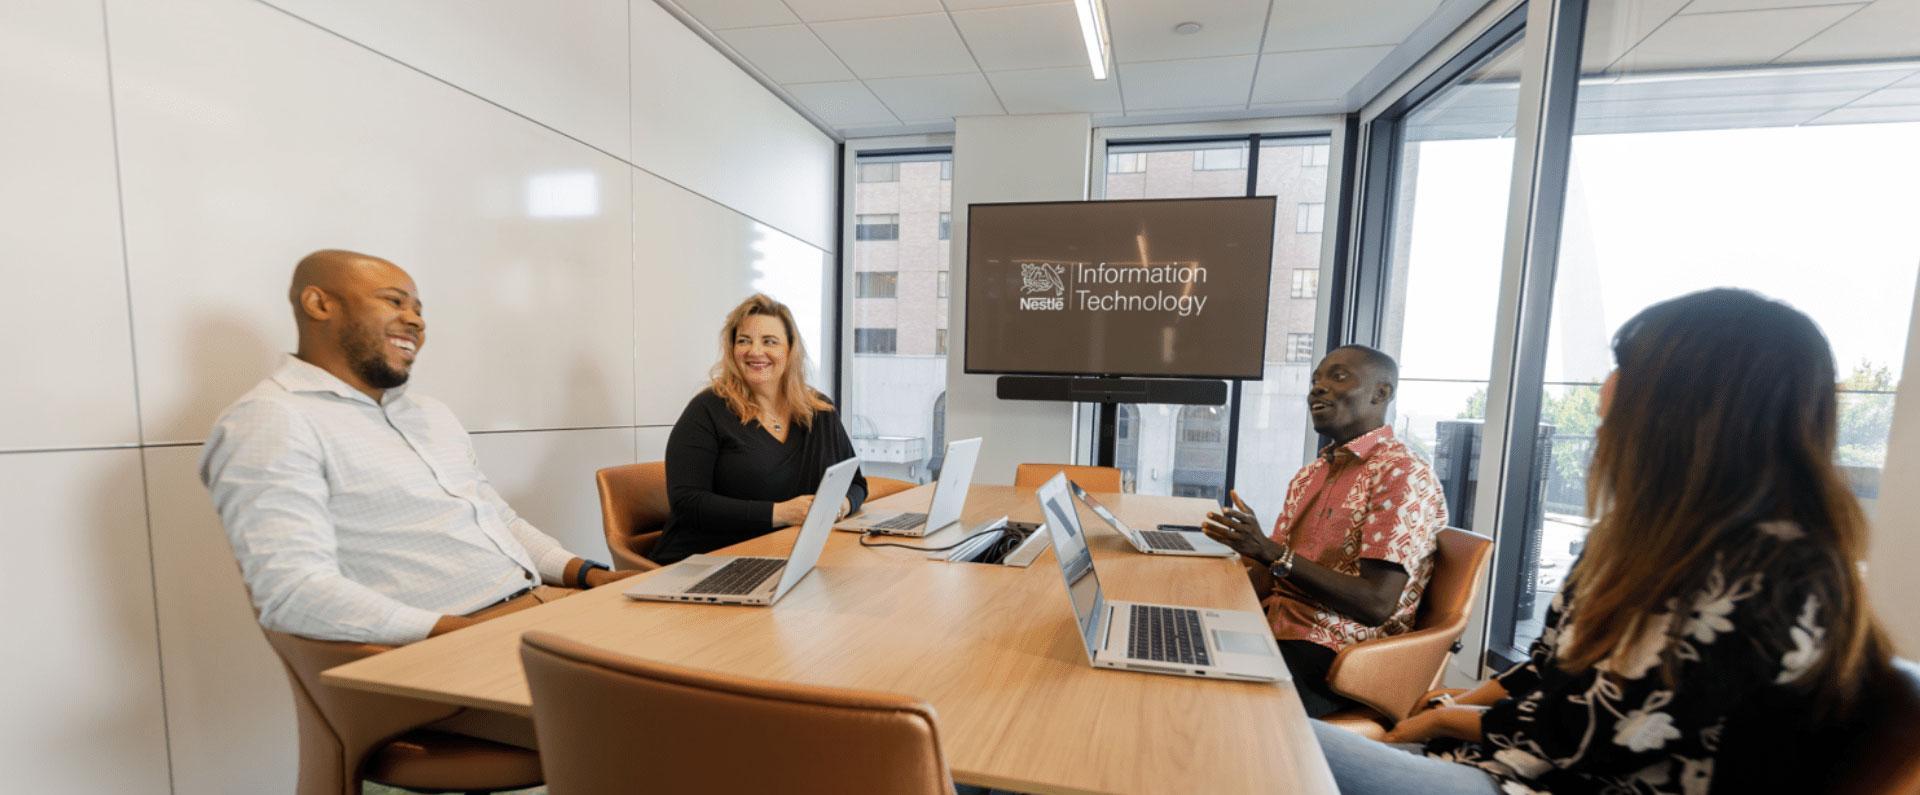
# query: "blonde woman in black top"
x,y
1717,614
749,450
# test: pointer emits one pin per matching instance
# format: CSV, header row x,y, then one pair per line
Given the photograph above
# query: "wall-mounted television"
x,y
1167,288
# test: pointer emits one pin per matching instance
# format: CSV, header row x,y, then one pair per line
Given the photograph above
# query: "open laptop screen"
x,y
1101,511
1076,562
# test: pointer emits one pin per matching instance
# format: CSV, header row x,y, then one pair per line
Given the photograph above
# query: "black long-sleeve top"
x,y
723,476
1740,641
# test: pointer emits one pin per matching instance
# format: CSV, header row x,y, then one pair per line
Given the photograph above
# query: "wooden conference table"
x,y
993,648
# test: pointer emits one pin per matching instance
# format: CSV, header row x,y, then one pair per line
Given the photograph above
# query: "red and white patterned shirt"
x,y
1370,499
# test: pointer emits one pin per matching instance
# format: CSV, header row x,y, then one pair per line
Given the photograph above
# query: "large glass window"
x,y
1185,450
897,268
1452,159
1275,433
1711,167
876,284
1154,447
876,226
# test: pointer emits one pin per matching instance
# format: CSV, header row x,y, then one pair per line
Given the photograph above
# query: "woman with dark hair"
x,y
749,450
1718,602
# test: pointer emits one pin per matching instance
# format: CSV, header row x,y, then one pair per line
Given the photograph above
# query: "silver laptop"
x,y
737,580
1161,639
1155,542
949,496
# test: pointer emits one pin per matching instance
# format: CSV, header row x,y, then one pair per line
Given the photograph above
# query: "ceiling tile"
x,y
1320,24
1023,37
787,54
898,46
1199,82
1717,6
1614,26
1314,74
723,14
1874,115
1890,96
1886,29
937,98
1695,121
967,5
1066,90
1742,38
829,10
1143,29
1310,108
842,104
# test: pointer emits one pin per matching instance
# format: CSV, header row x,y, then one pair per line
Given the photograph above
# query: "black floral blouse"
x,y
1753,626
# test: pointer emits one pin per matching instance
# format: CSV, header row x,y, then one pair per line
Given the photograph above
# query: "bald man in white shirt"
x,y
357,510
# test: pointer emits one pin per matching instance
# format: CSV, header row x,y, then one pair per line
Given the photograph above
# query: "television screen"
x,y
1156,287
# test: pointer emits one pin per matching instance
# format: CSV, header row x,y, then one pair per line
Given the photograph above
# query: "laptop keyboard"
x,y
904,521
1165,539
741,576
1167,634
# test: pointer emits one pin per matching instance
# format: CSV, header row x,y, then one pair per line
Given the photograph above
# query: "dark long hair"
x,y
1723,417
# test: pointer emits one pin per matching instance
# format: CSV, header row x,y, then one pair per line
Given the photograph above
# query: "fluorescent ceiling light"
x,y
1093,28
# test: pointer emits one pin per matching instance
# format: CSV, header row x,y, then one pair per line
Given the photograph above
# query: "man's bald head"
x,y
359,318
331,269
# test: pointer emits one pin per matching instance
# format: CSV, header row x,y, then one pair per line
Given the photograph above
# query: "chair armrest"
x,y
1389,674
632,556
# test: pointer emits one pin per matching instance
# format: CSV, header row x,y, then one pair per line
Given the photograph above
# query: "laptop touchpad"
x,y
1232,642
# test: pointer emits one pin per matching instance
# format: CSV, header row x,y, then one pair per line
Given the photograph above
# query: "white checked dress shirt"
x,y
363,521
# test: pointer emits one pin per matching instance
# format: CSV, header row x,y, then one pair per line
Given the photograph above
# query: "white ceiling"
x,y
879,67
1678,65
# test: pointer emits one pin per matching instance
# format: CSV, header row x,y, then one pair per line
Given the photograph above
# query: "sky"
x,y
1826,218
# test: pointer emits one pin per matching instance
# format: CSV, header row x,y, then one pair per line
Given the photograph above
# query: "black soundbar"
x,y
1111,390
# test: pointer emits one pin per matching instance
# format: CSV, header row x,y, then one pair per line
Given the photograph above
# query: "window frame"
x,y
893,173
863,282
1340,132
872,333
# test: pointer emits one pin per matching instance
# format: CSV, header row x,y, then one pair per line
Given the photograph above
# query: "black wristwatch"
x,y
586,566
1282,567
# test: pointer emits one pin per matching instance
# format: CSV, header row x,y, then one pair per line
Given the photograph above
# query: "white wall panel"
x,y
70,369
1009,159
230,715
651,442
701,122
250,138
693,262
547,476
560,62
82,690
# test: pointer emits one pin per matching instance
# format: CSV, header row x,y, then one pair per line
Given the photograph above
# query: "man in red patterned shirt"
x,y
1353,549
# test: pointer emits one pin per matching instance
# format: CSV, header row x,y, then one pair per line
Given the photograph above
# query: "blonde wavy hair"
x,y
730,383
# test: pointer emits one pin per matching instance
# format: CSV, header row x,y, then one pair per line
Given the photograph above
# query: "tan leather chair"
x,y
1390,676
612,723
1882,756
633,511
878,487
350,736
1095,479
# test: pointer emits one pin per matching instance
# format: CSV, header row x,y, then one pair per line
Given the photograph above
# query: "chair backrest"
x,y
338,727
1388,675
633,511
1882,756
1095,479
610,723
878,487
1459,563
